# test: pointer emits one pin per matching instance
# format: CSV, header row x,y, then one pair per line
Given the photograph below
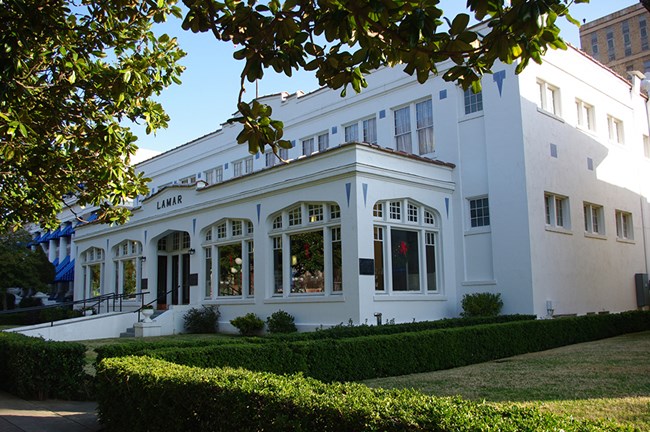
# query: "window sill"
x,y
559,230
471,116
624,240
586,130
229,301
334,298
550,114
478,283
595,236
416,296
478,230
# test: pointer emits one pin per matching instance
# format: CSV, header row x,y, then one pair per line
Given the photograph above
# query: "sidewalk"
x,y
17,415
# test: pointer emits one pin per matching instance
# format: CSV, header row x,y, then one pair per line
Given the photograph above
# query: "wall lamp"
x,y
143,258
192,251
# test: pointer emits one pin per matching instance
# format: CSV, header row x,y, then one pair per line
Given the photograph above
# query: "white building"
x,y
398,201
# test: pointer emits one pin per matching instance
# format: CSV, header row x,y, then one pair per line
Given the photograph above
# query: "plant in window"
x,y
248,325
281,322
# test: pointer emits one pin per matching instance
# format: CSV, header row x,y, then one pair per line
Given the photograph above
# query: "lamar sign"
x,y
169,202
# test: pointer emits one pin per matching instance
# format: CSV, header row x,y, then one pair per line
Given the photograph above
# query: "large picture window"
x,y
229,265
405,249
307,252
93,266
127,272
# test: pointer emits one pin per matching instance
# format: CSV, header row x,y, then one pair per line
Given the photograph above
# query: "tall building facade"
x,y
619,40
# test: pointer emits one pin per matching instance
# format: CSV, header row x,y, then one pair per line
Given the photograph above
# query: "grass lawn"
x,y
596,380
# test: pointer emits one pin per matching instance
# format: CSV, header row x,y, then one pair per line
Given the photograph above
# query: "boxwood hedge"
x,y
33,368
144,394
368,357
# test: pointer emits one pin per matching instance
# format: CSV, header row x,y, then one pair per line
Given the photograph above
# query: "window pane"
x,y
430,251
307,262
230,270
370,131
251,268
337,260
405,257
403,129
129,277
208,272
424,123
379,259
95,280
352,133
277,265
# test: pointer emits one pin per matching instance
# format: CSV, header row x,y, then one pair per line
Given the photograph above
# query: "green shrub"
x,y
204,320
281,322
26,302
33,368
481,305
131,392
249,324
367,357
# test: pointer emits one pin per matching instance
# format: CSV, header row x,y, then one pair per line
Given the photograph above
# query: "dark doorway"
x,y
162,282
185,281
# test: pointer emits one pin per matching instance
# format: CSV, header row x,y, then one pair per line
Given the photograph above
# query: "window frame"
x,y
545,89
557,217
624,226
586,116
615,130
473,102
478,217
594,219
326,220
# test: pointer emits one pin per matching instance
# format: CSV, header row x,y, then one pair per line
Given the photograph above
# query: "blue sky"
x,y
208,95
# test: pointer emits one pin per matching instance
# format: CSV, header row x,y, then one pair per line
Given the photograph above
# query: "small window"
x,y
323,142
237,228
335,211
295,216
237,168
378,210
479,212
615,128
557,211
277,222
643,32
218,174
270,159
248,164
315,213
208,235
594,45
370,130
646,146
412,213
624,225
593,219
611,50
548,98
221,231
352,133
473,101
308,146
429,218
627,41
585,114
395,210
403,129
284,154
424,124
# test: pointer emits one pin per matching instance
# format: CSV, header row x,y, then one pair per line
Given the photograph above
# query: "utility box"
x,y
642,289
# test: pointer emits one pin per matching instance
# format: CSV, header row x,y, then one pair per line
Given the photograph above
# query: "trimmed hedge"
x,y
338,332
144,394
33,368
404,353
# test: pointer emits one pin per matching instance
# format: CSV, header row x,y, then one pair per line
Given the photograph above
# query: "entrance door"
x,y
185,280
162,281
175,280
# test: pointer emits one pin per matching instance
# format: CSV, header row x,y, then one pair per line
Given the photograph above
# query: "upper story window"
x,y
627,41
237,168
479,212
403,129
594,45
323,141
218,174
308,146
585,114
615,129
611,49
643,33
248,165
423,112
646,146
188,180
284,154
370,130
270,158
424,123
473,101
93,265
594,223
624,229
548,97
557,211
352,133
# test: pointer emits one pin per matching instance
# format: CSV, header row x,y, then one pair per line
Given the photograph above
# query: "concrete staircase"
x,y
130,332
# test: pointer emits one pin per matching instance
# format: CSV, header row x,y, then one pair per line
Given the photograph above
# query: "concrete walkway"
x,y
17,415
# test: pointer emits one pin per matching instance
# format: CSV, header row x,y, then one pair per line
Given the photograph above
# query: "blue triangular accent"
x,y
145,236
447,206
348,188
498,78
193,226
259,209
365,193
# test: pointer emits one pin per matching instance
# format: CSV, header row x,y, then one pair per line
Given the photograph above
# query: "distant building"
x,y
619,40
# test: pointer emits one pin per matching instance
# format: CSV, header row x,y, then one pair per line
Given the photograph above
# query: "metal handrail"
x,y
154,301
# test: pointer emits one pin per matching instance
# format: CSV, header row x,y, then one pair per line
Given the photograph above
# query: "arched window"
x,y
406,238
93,268
228,254
306,250
128,270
